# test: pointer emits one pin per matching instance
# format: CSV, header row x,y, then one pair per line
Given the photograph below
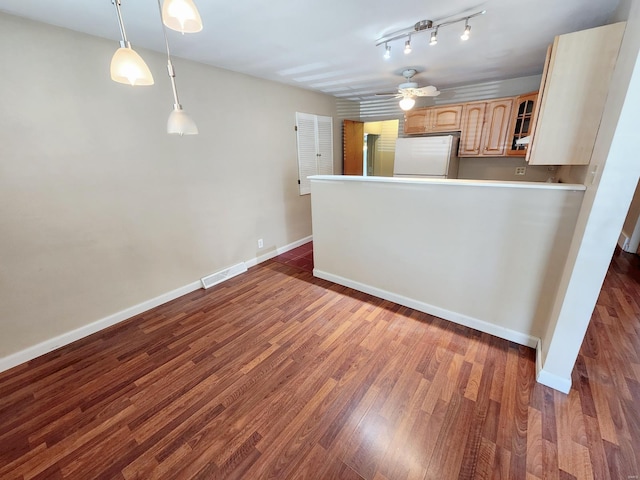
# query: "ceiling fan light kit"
x,y
408,91
425,26
407,103
129,67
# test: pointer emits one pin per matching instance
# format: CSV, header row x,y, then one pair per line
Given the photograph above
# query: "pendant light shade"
x,y
129,67
181,16
180,123
407,103
126,65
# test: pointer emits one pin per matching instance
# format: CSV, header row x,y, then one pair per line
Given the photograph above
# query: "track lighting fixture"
x,y
425,26
387,51
126,65
179,123
407,46
407,103
467,31
434,37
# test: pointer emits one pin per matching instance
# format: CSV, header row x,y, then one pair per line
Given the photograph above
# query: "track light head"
x,y
467,31
434,37
387,51
407,47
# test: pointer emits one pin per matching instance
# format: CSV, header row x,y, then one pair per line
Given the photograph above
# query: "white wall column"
x,y
611,182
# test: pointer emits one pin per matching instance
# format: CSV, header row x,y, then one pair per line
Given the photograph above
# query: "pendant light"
x,y
181,16
179,123
126,65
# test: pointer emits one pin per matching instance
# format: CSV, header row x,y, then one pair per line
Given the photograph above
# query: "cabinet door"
x,y
521,120
574,96
536,109
415,121
445,119
496,127
472,122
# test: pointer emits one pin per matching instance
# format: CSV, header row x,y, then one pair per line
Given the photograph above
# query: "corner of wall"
x,y
549,379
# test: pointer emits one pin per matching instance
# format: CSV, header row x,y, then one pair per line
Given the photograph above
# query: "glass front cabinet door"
x,y
521,123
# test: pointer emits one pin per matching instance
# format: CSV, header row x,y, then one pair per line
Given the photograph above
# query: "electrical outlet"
x,y
260,243
521,170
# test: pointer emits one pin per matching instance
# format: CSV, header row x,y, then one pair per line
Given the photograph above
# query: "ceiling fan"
x,y
408,91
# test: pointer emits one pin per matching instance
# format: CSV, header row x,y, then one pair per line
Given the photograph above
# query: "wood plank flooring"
x,y
276,374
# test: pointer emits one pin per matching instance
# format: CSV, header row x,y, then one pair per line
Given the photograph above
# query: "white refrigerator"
x,y
435,157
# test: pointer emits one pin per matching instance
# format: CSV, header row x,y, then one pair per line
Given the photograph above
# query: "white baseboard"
x,y
550,379
277,251
47,346
623,241
477,324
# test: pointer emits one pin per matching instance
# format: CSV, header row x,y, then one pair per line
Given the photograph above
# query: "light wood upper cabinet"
x,y
485,127
573,96
521,123
433,119
472,123
496,127
415,121
445,119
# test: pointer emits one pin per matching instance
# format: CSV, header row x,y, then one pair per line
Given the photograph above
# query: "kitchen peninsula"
x,y
483,254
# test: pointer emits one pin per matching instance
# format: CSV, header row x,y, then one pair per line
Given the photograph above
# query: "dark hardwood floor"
x,y
277,374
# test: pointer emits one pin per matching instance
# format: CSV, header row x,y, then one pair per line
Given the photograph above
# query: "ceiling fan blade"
x,y
387,94
429,91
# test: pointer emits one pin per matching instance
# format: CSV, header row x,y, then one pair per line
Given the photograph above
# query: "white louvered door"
x,y
315,148
325,145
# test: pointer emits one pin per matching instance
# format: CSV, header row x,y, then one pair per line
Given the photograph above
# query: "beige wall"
x,y
487,256
503,168
100,209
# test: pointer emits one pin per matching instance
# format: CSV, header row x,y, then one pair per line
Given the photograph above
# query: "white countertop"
x,y
450,182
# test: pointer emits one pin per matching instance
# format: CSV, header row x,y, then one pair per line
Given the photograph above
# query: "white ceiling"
x,y
329,45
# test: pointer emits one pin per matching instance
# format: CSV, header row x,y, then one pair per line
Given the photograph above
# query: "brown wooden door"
x,y
496,127
353,138
472,122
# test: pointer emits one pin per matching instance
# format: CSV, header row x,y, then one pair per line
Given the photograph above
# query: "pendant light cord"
x,y
170,69
124,43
